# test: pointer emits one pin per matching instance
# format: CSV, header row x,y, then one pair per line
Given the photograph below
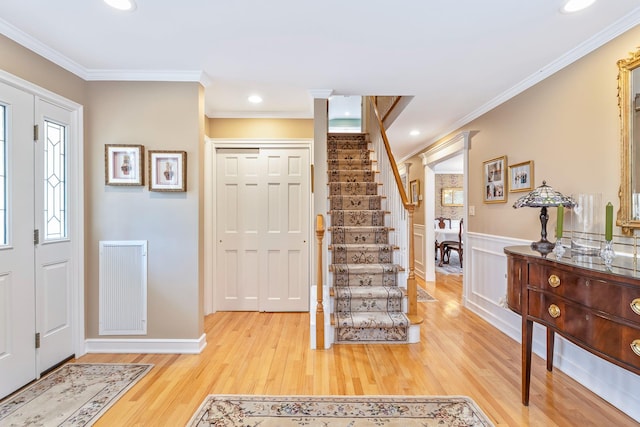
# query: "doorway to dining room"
x,y
446,168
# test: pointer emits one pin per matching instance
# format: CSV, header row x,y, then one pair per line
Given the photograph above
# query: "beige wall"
x,y
568,125
260,128
160,116
35,69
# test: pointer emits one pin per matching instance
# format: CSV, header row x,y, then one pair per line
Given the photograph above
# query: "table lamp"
x,y
543,197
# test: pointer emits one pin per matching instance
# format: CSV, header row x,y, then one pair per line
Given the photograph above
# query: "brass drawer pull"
x,y
554,281
554,311
635,346
635,305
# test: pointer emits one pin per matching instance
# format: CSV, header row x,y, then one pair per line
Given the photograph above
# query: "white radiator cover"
x,y
123,287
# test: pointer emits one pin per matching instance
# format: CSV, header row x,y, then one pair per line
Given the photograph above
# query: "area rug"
x,y
76,394
452,267
334,411
424,296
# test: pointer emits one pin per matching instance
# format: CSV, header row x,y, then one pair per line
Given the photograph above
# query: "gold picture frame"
x,y
521,177
452,196
494,180
123,164
167,170
414,192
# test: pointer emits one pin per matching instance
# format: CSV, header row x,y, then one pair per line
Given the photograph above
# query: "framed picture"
x,y
493,178
414,192
452,197
167,170
521,177
123,164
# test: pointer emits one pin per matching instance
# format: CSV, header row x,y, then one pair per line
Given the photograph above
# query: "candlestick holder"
x,y
607,253
558,249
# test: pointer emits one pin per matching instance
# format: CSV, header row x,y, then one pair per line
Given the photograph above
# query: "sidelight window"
x,y
55,181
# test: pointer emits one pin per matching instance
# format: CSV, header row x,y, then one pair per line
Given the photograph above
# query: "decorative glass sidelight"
x,y
3,175
55,181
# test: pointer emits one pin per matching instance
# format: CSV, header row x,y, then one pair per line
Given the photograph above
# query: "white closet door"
x,y
262,229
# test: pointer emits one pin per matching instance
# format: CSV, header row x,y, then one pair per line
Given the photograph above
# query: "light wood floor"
x,y
268,353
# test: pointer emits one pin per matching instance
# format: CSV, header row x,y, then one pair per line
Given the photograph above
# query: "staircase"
x,y
367,301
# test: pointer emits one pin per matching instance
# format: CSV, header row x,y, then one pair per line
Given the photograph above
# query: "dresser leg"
x,y
527,335
550,343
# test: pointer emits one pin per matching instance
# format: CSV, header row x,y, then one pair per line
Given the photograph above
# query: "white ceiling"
x,y
458,58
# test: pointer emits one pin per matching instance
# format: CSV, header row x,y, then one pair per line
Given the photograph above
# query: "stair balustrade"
x,y
397,201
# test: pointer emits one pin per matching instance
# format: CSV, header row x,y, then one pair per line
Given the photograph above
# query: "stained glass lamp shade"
x,y
543,197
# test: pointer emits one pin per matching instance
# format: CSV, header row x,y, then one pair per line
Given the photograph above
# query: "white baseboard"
x,y
145,346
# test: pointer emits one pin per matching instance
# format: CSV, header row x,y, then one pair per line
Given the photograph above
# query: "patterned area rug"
x,y
424,296
334,411
453,267
76,394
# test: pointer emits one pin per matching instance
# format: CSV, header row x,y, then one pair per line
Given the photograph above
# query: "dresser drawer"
x,y
617,299
600,333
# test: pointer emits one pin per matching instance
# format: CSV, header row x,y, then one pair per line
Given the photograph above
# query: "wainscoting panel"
x,y
485,294
123,288
418,243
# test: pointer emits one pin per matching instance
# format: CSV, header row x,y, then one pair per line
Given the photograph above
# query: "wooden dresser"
x,y
594,307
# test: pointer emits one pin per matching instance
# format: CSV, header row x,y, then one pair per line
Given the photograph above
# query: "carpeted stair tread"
x,y
356,218
353,188
365,202
333,155
371,319
351,175
359,235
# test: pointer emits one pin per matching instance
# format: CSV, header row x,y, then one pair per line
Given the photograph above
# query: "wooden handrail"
x,y
392,160
319,285
412,285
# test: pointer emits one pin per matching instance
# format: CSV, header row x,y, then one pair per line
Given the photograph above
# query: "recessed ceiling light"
x,y
576,5
121,4
346,113
255,99
414,133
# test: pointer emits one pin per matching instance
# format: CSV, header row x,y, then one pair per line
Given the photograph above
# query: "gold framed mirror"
x,y
452,197
629,108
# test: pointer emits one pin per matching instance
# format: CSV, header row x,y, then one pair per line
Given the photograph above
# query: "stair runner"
x,y
367,298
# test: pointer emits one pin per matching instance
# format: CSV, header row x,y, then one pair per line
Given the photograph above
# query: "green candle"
x,y
608,230
559,220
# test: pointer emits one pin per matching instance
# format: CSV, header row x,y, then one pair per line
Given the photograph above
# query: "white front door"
x,y
17,291
53,264
262,229
35,252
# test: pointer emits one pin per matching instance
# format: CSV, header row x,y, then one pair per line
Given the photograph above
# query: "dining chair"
x,y
452,245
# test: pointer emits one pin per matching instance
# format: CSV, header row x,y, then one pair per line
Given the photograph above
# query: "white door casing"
x,y
17,292
262,228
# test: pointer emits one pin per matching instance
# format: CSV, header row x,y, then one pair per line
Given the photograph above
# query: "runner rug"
x,y
76,394
334,411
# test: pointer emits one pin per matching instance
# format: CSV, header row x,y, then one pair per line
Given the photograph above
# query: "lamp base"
x,y
543,246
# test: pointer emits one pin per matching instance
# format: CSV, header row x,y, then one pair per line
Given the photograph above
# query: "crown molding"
x,y
320,93
146,75
261,115
41,49
619,27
